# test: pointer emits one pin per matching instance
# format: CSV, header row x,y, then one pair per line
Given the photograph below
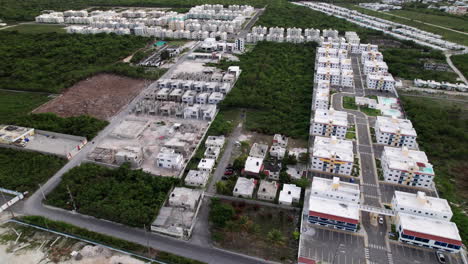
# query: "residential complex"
x,y
380,81
332,155
321,95
408,167
395,132
330,123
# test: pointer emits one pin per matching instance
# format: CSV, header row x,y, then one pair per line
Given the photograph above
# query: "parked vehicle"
x,y
441,257
381,220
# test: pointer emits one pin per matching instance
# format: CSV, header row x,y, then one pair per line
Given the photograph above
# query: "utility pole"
x,y
71,197
9,207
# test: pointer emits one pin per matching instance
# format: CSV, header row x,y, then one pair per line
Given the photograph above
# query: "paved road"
x,y
454,68
251,23
196,250
224,161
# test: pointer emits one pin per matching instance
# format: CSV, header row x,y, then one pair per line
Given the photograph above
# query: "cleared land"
x,y
23,170
16,104
260,231
100,96
37,28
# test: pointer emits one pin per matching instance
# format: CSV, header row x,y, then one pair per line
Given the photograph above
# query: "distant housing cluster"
x,y
441,85
396,30
199,23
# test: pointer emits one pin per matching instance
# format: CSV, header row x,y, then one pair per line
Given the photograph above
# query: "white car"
x,y
381,220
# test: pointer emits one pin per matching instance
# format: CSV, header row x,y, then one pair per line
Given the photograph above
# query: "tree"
x,y
239,162
284,177
165,55
222,188
304,158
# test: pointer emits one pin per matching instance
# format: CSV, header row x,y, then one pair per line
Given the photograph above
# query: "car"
x,y
381,220
441,257
228,172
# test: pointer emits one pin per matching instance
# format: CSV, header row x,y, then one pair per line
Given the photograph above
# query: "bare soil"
x,y
100,96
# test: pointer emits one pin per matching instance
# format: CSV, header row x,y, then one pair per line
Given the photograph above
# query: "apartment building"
x,y
327,52
328,62
330,123
395,132
345,64
322,96
332,155
407,167
375,66
334,204
169,159
422,205
329,74
380,81
347,78
372,56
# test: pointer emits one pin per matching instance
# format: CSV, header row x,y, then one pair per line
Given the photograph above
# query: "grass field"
x,y
23,170
461,62
435,17
17,104
412,16
37,28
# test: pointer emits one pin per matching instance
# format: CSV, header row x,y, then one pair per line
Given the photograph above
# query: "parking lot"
x,y
387,191
405,254
330,246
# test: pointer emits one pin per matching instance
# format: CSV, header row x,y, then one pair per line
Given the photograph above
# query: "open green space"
x,y
349,103
51,62
442,128
37,28
457,23
14,105
275,87
261,231
461,62
114,242
409,64
130,197
23,170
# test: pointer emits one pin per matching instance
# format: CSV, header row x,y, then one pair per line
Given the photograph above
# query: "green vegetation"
x,y
14,105
276,88
262,231
349,103
23,170
37,28
415,17
85,126
51,62
409,64
461,62
369,111
122,195
442,134
107,240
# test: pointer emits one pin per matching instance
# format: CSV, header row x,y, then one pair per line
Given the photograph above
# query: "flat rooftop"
x,y
380,76
331,116
333,208
406,160
332,60
395,126
329,71
429,227
421,200
331,147
374,63
334,185
322,94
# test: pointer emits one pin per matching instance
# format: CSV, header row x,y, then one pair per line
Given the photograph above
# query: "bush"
x,y
220,213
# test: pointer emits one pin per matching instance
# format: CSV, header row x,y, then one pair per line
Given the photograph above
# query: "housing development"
x,y
198,160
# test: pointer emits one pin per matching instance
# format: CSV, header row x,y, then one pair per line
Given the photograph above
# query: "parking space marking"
x,y
390,258
366,253
371,196
370,184
377,247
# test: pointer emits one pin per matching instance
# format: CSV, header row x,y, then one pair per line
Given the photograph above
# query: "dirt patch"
x,y
100,96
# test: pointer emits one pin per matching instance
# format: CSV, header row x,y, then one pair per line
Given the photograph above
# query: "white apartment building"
x,y
347,78
240,44
327,52
343,53
395,132
408,167
206,165
371,56
352,37
329,74
330,123
428,232
375,66
168,159
332,155
367,47
380,81
335,189
332,213
328,62
421,204
345,64
322,96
